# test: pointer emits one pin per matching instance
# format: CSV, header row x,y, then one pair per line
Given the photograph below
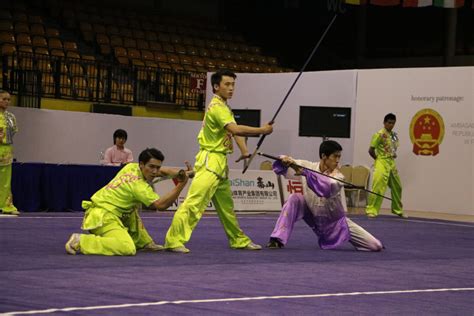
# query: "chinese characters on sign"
x,y
256,190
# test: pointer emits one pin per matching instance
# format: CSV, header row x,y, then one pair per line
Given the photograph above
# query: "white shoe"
x,y
181,249
252,246
12,212
152,247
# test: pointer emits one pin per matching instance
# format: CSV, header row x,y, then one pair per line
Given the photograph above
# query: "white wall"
x,y
442,183
75,137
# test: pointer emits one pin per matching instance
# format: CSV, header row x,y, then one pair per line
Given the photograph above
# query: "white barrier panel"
x,y
256,190
435,126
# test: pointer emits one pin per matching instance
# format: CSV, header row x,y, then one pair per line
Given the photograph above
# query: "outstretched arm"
x,y
165,201
169,172
244,130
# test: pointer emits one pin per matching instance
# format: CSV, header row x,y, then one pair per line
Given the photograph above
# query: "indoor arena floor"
x,y
427,268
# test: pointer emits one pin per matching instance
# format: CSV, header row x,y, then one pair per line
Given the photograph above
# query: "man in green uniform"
x,y
112,214
8,128
383,149
211,180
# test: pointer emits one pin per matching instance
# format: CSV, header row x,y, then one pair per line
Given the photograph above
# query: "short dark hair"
x,y
120,133
149,153
329,147
389,116
216,77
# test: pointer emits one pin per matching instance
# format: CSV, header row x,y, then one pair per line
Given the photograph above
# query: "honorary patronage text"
x,y
437,99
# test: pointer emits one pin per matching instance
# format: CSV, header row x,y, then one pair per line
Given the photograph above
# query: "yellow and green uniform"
x,y
385,173
8,128
210,182
112,215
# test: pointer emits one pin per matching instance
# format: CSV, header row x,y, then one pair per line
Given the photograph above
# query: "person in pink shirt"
x,y
118,155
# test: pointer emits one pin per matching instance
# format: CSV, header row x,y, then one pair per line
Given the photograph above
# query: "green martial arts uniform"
x,y
7,129
112,215
210,182
385,173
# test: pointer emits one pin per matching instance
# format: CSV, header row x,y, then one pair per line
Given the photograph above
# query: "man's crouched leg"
x,y
112,243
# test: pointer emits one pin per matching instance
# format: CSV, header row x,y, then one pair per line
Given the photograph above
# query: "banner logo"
x,y
426,132
197,83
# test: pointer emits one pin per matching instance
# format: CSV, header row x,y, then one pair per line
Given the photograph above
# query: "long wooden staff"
x,y
348,184
247,164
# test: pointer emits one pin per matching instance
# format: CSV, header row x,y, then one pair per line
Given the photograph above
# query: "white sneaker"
x,y
12,212
152,247
73,245
252,246
181,249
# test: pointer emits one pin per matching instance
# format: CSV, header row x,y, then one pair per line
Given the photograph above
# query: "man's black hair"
x,y
120,133
329,147
216,77
389,116
150,153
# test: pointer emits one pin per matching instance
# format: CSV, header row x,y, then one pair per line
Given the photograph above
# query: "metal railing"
x,y
37,76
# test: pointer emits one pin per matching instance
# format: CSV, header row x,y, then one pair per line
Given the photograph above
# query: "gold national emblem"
x,y
426,132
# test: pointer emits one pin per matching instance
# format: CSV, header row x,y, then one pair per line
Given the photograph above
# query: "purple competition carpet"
x,y
427,268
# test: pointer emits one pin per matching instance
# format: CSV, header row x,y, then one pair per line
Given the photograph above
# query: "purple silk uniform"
x,y
322,207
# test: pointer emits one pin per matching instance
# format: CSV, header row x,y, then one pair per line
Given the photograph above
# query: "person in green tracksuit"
x,y
112,217
8,128
383,149
211,180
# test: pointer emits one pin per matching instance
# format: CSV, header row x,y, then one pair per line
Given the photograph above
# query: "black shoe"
x,y
274,243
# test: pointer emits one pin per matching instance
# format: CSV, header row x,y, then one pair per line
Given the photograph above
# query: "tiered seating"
x,y
169,43
152,55
25,32
31,35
